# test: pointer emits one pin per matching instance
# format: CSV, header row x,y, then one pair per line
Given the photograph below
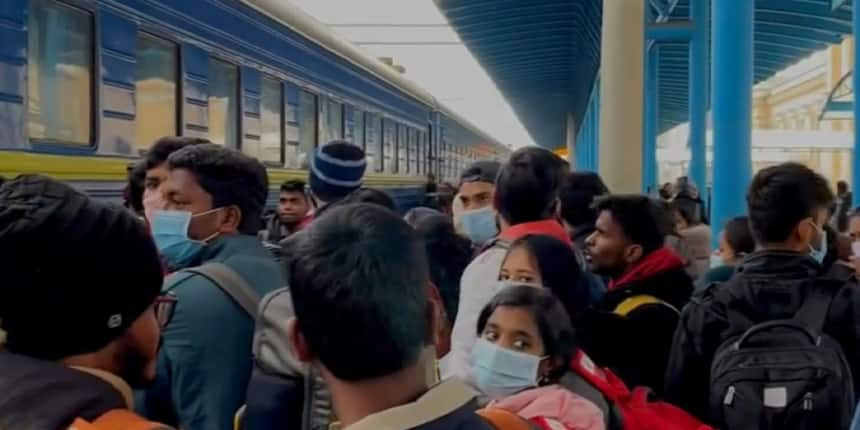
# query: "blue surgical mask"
x,y
170,233
819,254
480,224
717,261
501,372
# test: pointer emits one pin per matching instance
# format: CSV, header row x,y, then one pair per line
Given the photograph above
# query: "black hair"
x,y
832,251
162,148
230,177
359,282
448,254
641,219
666,191
688,209
559,270
841,186
577,194
739,236
781,196
371,195
362,195
136,187
527,186
556,330
293,186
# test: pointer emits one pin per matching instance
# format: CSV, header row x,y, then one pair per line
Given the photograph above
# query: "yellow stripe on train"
x,y
113,169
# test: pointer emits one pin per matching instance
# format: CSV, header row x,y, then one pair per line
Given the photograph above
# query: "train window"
x,y
373,147
291,126
156,71
423,156
307,127
358,128
331,121
412,151
335,120
402,150
223,103
270,120
389,136
418,155
60,73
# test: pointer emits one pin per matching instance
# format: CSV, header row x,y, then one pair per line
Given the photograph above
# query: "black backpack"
x,y
784,374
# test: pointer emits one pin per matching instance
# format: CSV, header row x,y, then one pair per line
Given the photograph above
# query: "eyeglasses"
x,y
163,306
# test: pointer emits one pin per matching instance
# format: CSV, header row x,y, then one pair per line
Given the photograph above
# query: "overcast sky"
x,y
445,68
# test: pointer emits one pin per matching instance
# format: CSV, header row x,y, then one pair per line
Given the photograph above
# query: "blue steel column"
x,y
855,81
731,95
649,158
698,87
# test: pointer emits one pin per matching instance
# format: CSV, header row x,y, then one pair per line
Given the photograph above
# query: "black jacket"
x,y
40,395
767,285
636,346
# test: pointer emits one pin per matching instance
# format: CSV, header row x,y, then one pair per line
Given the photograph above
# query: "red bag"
x,y
638,411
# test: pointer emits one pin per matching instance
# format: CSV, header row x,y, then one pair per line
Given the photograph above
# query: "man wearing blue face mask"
x,y
787,206
477,187
213,199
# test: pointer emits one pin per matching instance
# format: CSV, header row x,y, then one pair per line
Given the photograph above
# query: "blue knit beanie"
x,y
336,170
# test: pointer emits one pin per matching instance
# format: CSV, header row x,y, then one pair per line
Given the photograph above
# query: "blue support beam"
x,y
855,83
731,96
671,31
700,11
649,124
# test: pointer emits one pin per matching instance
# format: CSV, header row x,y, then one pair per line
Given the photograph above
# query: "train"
x,y
86,86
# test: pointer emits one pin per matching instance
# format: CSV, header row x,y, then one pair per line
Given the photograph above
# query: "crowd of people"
x,y
531,297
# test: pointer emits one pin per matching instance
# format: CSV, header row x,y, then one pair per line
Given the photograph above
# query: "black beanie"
x,y
76,273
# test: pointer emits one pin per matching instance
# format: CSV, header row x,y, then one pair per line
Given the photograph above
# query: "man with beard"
x,y
78,328
631,330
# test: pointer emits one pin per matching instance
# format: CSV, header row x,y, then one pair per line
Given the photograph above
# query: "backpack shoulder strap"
x,y
118,419
814,310
494,243
501,419
231,284
633,302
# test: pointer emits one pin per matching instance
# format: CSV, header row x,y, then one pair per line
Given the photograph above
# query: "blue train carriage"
x,y
86,86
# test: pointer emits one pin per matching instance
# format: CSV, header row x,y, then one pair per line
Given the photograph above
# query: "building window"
x,y
307,126
60,73
223,103
155,88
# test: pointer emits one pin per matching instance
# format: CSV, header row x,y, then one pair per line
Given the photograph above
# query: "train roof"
x,y
297,20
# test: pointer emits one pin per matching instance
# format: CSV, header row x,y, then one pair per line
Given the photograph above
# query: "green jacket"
x,y
205,360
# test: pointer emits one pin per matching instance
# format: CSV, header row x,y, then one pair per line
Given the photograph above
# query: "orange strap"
x,y
501,419
118,419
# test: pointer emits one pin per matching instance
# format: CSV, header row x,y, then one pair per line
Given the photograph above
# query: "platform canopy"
x,y
544,55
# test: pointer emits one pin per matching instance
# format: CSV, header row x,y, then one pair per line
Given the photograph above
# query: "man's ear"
x,y
231,220
435,311
298,342
633,253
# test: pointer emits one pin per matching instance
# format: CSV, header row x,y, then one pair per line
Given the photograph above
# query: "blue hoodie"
x,y
205,360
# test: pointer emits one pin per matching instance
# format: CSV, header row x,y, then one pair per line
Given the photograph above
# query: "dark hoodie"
x,y
41,395
767,285
637,345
